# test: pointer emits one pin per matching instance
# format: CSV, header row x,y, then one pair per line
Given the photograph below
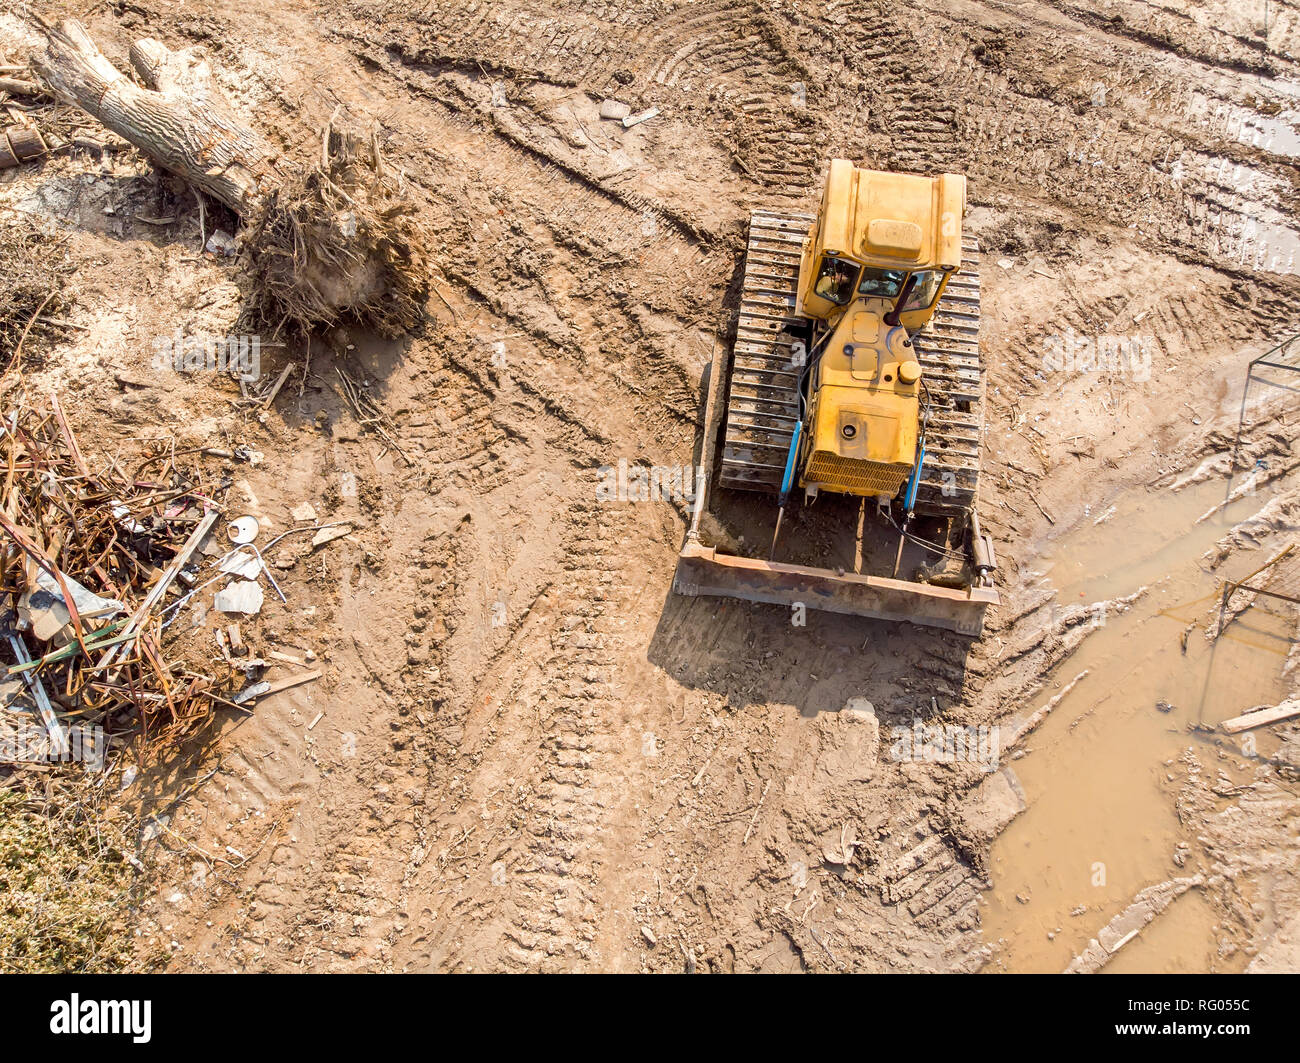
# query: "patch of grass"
x,y
65,891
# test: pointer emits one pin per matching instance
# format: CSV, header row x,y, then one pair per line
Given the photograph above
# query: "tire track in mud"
x,y
550,916
762,701
562,226
370,853
949,93
739,55
1162,27
887,103
1093,120
727,59
541,752
532,794
556,899
919,871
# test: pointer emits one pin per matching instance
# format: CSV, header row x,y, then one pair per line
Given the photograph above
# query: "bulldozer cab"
x,y
873,232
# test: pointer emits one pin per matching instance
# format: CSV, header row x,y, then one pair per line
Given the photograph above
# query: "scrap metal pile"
x,y
90,555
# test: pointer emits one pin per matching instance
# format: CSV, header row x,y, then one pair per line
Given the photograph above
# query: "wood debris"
x,y
368,413
89,550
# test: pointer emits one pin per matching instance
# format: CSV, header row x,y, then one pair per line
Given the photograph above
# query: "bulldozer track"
x,y
949,351
763,405
923,877
556,871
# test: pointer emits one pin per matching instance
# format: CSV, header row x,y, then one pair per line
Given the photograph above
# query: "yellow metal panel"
x,y
863,326
899,239
894,224
876,353
836,235
863,440
892,219
951,190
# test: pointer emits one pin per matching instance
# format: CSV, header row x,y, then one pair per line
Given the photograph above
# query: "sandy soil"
x,y
533,756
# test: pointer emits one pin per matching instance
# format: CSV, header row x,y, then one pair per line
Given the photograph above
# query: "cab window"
x,y
925,289
881,283
835,279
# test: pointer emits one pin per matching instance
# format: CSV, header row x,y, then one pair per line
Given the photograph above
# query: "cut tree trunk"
x,y
337,240
25,142
178,118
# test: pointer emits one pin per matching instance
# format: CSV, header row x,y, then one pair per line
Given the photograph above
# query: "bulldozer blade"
x,y
702,570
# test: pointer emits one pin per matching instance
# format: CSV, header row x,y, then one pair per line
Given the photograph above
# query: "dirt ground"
x,y
530,754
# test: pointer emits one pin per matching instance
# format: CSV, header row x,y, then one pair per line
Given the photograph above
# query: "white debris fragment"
x,y
637,119
242,563
44,611
615,109
255,690
220,243
242,597
122,512
328,535
243,529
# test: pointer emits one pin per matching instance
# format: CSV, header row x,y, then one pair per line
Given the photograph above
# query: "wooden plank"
x,y
160,588
1283,711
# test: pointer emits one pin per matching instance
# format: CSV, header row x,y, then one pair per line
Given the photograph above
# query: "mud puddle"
x,y
1276,133
1101,772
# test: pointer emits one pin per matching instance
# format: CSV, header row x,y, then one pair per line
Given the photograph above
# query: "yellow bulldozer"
x,y
854,388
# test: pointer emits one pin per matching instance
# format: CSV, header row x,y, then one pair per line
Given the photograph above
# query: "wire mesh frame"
x,y
1285,357
1259,581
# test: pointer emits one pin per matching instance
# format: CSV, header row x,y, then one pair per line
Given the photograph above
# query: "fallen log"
x,y
180,119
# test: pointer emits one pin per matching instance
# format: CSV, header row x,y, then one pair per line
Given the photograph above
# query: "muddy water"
x,y
1272,133
1101,825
